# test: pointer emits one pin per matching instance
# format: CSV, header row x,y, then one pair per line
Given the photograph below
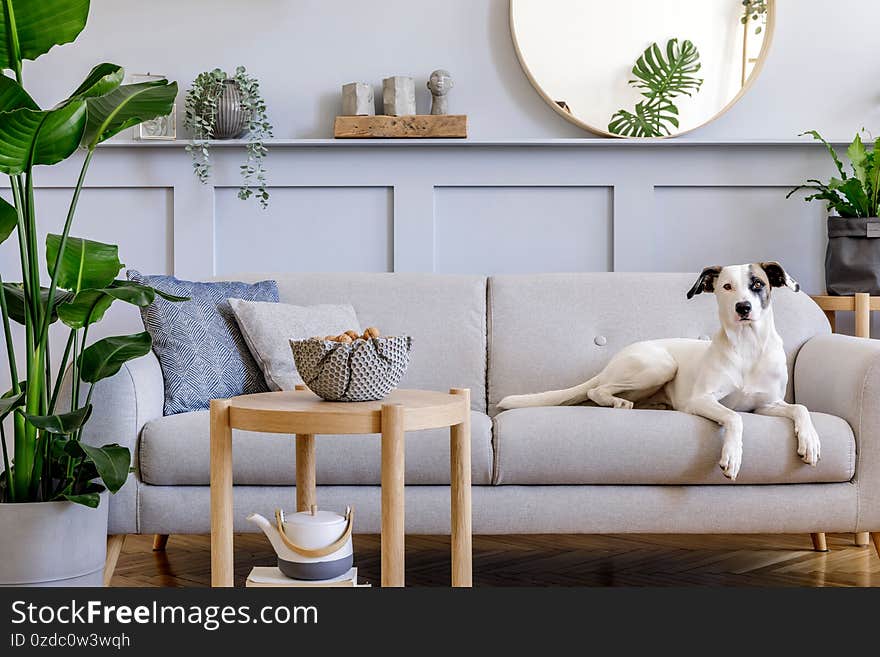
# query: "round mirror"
x,y
641,68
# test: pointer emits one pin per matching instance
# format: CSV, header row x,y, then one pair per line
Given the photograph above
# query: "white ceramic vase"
x,y
53,543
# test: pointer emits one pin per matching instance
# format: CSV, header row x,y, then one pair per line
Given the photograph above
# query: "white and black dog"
x,y
743,368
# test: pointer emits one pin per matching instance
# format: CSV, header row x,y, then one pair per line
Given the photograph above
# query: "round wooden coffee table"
x,y
302,413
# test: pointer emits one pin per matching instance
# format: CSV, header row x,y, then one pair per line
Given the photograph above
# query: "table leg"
x,y
460,472
863,315
832,319
221,494
305,471
393,465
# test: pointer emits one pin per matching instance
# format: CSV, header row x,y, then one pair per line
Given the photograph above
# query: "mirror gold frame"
x,y
756,71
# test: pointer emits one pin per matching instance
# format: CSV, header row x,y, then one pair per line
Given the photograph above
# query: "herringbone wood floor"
x,y
547,560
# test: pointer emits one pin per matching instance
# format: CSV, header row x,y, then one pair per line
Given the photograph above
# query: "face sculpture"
x,y
440,82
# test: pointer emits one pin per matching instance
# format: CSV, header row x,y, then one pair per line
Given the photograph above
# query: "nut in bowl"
x,y
352,367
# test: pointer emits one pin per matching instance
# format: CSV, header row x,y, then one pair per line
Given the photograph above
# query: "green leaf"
x,y
133,293
84,264
13,96
39,25
8,219
670,76
107,356
127,106
29,137
86,499
100,81
853,191
112,462
831,151
857,156
9,404
169,297
627,124
15,301
61,423
87,307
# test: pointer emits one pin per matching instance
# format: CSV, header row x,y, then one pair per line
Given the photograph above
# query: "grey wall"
x,y
819,73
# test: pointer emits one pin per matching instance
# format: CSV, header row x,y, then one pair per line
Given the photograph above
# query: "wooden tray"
x,y
426,126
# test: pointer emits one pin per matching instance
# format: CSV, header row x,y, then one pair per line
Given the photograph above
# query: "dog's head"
x,y
743,291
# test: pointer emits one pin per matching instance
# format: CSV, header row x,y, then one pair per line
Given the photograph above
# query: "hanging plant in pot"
x,y
852,258
218,106
54,486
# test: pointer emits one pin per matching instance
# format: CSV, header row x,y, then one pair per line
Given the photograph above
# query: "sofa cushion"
x,y
592,445
444,314
550,331
268,328
175,449
199,346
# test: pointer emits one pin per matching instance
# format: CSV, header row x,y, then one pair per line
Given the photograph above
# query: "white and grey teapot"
x,y
311,545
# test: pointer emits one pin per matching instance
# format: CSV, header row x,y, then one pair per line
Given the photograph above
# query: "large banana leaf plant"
x,y
661,78
70,280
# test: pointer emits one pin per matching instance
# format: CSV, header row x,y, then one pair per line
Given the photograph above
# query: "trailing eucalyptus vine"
x,y
200,118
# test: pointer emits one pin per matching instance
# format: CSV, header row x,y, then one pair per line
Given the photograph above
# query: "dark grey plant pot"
x,y
232,118
852,259
53,544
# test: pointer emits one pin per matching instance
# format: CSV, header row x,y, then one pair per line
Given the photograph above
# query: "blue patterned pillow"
x,y
198,342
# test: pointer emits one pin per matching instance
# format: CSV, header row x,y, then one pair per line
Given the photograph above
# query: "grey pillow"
x,y
268,329
198,344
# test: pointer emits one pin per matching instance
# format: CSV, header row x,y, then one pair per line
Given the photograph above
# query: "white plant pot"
x,y
53,544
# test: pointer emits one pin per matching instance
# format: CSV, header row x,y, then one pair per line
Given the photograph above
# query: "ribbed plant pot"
x,y
53,544
232,119
852,259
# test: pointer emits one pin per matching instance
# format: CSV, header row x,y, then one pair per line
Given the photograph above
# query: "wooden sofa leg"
x,y
159,542
114,548
819,543
875,536
863,539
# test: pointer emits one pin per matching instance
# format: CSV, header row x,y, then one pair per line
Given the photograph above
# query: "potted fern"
x,y
852,258
53,487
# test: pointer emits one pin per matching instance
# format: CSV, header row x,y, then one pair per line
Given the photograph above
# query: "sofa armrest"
x,y
840,375
121,405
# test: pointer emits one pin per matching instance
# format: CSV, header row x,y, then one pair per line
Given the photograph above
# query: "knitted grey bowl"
x,y
364,370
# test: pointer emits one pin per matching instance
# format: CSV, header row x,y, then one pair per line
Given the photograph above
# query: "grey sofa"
x,y
573,469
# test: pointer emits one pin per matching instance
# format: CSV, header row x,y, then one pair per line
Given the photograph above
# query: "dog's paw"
x,y
731,459
809,448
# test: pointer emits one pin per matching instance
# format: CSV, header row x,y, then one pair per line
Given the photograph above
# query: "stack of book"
x,y
269,576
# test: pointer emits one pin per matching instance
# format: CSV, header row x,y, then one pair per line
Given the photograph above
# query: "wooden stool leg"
x,y
875,536
819,543
460,473
114,548
863,539
221,494
863,315
159,542
305,471
393,466
832,319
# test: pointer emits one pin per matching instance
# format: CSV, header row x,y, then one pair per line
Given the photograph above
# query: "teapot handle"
x,y
314,553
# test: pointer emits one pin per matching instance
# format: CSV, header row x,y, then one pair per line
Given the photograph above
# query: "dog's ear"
x,y
705,281
778,277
